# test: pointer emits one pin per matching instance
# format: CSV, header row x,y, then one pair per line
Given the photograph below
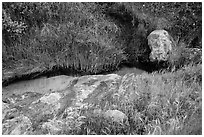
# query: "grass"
x,y
80,37
85,42
86,38
167,103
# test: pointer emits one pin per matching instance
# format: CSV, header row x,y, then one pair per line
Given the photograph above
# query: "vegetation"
x,y
89,38
72,37
167,103
93,38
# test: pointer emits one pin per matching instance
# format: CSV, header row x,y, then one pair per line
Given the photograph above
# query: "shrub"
x,y
122,27
85,41
164,103
181,20
178,18
181,56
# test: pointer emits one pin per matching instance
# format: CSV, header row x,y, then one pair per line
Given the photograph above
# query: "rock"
x,y
44,108
20,125
116,116
54,126
36,103
96,89
98,112
9,113
161,45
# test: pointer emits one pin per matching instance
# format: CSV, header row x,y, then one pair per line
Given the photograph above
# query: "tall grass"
x,y
167,103
84,37
82,40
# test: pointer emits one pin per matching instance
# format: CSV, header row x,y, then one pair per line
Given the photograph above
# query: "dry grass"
x,y
86,42
156,104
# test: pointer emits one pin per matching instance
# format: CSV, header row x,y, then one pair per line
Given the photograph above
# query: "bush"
x,y
182,56
163,103
83,41
105,29
181,20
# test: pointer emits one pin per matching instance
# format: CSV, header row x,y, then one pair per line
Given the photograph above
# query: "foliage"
x,y
167,103
183,20
77,38
180,18
105,29
92,38
163,103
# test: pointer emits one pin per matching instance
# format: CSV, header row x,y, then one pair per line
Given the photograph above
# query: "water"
x,y
126,70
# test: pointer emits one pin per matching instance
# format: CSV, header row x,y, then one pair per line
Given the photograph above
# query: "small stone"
x,y
116,116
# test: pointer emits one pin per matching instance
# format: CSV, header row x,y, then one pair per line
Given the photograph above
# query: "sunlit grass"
x,y
86,43
155,104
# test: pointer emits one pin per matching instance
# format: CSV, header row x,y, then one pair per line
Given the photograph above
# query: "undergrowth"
x,y
91,38
155,104
85,41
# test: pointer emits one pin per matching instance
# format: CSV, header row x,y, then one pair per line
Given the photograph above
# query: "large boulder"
x,y
161,45
48,104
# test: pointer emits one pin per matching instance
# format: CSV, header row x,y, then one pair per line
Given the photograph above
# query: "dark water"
x,y
126,70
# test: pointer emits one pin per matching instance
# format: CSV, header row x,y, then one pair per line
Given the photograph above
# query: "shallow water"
x,y
44,85
39,85
126,70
